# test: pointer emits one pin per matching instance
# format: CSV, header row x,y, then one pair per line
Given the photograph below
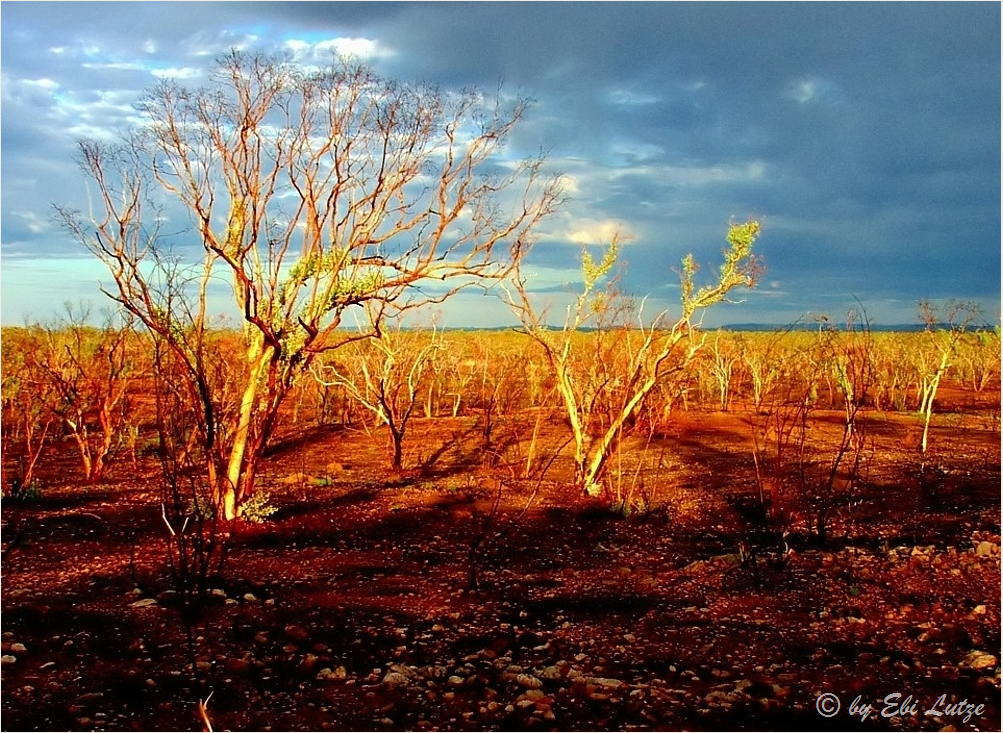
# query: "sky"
x,y
865,137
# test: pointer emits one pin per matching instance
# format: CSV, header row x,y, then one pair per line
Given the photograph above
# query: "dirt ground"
x,y
351,608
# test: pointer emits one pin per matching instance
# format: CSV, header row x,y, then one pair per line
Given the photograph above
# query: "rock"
x,y
553,672
18,648
144,603
296,633
605,682
399,676
8,659
338,673
250,597
395,679
979,660
987,549
529,681
236,665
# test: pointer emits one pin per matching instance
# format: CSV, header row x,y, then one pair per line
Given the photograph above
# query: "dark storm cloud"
x,y
866,136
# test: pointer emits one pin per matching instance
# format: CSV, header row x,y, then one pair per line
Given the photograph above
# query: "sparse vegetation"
x,y
799,507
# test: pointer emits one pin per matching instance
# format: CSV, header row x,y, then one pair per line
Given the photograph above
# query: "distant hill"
x,y
895,327
875,327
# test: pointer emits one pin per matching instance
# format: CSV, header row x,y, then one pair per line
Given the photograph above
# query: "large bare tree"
x,y
312,193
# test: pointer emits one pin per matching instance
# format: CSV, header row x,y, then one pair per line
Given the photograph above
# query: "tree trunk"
x,y
397,440
261,360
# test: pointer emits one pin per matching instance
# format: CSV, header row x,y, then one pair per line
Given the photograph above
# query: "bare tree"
x,y
625,362
723,357
89,373
389,372
25,418
944,331
312,194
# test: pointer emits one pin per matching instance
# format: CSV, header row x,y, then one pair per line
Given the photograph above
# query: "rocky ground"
x,y
352,609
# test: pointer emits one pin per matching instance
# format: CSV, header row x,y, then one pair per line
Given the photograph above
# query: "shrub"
x,y
256,508
26,493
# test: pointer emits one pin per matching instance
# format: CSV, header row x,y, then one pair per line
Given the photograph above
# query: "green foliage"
x,y
638,507
257,507
314,265
326,268
739,269
202,507
592,273
24,494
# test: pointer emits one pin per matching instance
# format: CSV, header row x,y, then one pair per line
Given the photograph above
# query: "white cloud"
x,y
361,47
696,175
802,91
637,152
321,52
631,98
814,89
205,45
598,232
43,83
115,65
186,72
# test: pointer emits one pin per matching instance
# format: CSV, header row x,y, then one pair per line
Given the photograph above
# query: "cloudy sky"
x,y
865,137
